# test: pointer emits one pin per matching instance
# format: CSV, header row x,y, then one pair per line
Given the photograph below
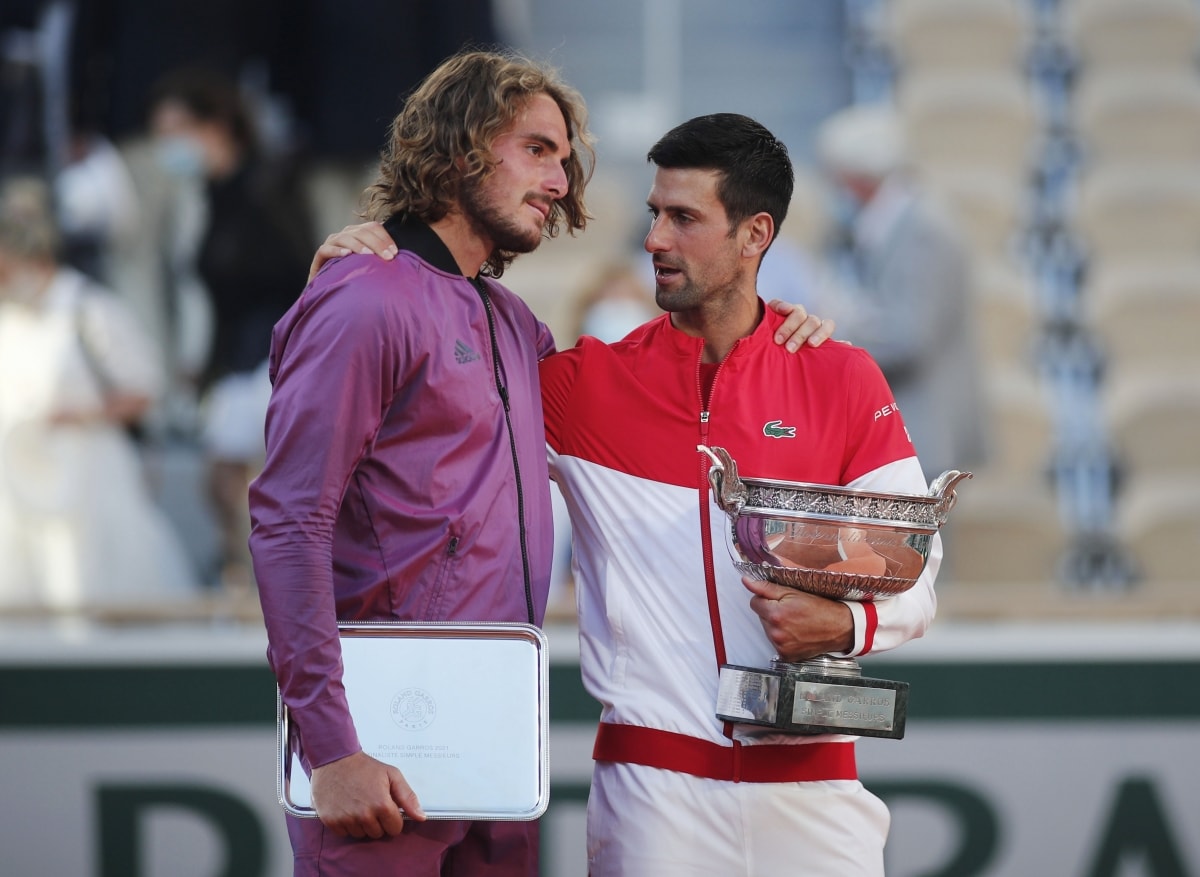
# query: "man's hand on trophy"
x,y
359,796
798,624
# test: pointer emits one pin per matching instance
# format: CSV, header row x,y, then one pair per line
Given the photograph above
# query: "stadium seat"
x,y
1146,313
1158,520
1022,424
1113,34
1135,211
1004,531
986,122
1007,315
1150,117
990,205
1153,418
953,35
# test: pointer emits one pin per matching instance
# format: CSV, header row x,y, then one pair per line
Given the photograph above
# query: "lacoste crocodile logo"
x,y
776,429
463,353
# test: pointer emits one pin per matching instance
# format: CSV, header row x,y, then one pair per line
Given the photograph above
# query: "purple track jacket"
x,y
405,475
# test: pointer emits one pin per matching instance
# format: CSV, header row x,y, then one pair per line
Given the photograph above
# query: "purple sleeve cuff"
x,y
326,731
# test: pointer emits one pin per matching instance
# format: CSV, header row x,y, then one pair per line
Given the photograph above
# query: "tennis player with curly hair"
x,y
405,475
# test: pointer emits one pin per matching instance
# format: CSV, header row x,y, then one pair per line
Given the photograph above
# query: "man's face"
x,y
696,259
509,208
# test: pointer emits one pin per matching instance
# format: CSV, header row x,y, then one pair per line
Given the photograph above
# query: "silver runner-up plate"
x,y
459,709
802,702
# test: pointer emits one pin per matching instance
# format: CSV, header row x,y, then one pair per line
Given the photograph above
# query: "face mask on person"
x,y
612,319
180,156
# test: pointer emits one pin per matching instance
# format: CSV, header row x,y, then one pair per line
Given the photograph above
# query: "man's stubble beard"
x,y
692,293
491,222
682,298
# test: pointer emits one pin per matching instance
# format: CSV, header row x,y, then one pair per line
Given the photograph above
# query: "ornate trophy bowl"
x,y
835,542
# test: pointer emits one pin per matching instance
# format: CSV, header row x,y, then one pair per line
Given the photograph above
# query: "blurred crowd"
x,y
156,218
157,271
976,218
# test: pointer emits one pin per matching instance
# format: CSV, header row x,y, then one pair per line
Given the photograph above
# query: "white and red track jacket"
x,y
661,605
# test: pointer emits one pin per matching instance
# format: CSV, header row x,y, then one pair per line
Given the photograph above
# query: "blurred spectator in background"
x,y
791,269
616,301
900,286
251,236
50,125
77,526
97,204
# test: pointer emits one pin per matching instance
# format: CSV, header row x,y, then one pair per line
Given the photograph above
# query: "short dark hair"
x,y
756,172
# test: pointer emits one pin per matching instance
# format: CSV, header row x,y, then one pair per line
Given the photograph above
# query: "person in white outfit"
x,y
78,528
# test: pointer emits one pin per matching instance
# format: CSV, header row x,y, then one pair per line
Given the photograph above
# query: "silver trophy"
x,y
835,542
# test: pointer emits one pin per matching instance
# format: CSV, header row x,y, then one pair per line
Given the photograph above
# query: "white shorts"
x,y
648,822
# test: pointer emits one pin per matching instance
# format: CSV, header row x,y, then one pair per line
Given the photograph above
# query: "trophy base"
x,y
826,695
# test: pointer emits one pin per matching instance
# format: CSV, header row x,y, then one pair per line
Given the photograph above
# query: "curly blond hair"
x,y
444,134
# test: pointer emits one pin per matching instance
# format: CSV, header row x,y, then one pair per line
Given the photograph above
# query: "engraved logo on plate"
x,y
413,709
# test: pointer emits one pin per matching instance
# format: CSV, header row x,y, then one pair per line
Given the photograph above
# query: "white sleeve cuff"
x,y
860,630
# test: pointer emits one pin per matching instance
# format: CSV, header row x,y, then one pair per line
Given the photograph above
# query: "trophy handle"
x,y
943,488
729,491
